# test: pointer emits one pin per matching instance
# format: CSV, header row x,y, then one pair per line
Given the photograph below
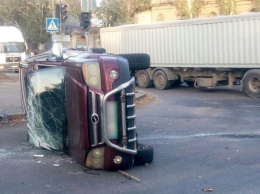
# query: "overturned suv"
x,y
84,103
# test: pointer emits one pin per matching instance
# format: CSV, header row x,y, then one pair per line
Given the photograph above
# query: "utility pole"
x,y
85,6
53,8
60,25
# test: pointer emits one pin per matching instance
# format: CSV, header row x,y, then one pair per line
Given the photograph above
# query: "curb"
x,y
13,118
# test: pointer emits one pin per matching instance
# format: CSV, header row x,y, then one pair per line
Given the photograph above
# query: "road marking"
x,y
249,106
201,135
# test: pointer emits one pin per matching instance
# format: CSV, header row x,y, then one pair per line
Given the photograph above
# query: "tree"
x,y
182,9
188,8
74,8
256,5
29,16
118,12
197,5
227,7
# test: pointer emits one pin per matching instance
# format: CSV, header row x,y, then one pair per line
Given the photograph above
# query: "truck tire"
x,y
251,83
161,81
144,155
137,61
143,79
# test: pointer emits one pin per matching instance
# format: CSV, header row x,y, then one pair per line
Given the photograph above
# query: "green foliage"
x,y
197,5
118,12
28,15
182,9
256,5
188,9
74,8
227,7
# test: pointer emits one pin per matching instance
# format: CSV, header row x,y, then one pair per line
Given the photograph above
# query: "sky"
x,y
98,2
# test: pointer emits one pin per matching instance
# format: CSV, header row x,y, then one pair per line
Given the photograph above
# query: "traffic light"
x,y
64,11
57,11
61,12
85,22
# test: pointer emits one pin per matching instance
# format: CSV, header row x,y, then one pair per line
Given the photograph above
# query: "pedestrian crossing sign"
x,y
52,24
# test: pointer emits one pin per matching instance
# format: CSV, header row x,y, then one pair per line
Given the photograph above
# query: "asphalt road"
x,y
204,140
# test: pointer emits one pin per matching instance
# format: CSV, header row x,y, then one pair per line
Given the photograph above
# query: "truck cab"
x,y
83,103
12,48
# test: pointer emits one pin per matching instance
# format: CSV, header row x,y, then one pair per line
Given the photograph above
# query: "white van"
x,y
12,48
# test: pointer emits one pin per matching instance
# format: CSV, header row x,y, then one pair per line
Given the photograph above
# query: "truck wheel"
x,y
144,155
143,79
160,80
251,84
137,61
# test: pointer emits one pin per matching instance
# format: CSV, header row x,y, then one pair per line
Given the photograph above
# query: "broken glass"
x,y
46,108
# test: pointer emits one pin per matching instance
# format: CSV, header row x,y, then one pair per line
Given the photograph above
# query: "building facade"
x,y
167,10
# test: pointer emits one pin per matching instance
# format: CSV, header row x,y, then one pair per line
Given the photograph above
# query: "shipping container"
x,y
203,52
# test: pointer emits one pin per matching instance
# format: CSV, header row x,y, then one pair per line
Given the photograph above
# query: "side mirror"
x,y
56,50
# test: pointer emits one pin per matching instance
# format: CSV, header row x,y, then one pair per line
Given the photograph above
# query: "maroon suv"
x,y
84,103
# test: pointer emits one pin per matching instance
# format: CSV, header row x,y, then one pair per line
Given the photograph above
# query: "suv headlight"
x,y
91,74
95,158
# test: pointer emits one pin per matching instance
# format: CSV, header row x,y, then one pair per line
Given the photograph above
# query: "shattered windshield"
x,y
12,47
46,108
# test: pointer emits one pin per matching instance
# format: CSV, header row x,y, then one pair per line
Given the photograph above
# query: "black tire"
x,y
190,83
251,83
144,155
143,80
161,81
98,50
137,61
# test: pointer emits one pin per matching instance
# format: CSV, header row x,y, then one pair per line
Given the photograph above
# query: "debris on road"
x,y
146,99
128,176
35,156
207,190
12,119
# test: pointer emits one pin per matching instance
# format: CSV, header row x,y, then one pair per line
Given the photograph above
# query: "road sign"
x,y
52,24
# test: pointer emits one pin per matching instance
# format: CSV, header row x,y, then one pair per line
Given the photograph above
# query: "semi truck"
x,y
12,48
202,52
83,103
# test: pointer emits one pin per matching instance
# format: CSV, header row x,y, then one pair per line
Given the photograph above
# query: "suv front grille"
x,y
94,118
124,96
